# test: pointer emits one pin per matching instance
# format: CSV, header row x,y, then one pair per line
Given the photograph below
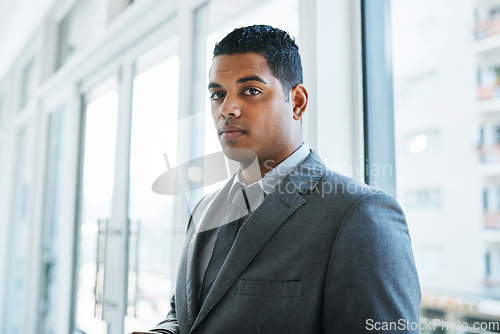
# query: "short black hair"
x,y
276,45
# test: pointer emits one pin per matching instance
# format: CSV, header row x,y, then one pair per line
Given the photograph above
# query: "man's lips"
x,y
231,132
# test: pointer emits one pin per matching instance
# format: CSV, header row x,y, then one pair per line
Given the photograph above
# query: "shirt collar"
x,y
278,173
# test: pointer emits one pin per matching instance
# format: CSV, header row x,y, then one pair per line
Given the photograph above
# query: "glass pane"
x,y
7,99
154,244
27,83
16,279
447,115
50,225
82,25
117,7
96,205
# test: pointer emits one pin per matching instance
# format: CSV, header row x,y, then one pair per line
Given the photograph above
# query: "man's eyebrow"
x,y
214,85
239,81
251,78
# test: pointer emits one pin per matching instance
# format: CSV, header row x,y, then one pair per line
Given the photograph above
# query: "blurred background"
x,y
98,98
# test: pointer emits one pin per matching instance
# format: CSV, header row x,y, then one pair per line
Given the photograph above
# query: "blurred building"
x,y
487,109
446,178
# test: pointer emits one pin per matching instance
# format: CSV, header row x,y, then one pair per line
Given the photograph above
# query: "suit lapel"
x,y
253,235
191,287
203,218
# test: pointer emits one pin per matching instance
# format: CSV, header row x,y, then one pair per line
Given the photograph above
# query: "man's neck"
x,y
251,173
255,171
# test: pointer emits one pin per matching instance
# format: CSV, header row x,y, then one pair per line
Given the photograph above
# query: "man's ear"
x,y
299,99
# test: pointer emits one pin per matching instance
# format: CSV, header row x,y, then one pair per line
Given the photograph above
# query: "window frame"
x,y
378,105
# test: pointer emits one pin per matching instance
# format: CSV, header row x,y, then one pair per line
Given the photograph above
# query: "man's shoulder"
x,y
313,176
343,197
335,186
343,182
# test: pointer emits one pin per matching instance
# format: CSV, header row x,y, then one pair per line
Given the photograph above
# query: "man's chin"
x,y
247,158
244,156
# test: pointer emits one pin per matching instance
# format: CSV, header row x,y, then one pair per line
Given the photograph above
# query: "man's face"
x,y
250,109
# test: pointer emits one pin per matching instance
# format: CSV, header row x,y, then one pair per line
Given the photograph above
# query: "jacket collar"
x,y
307,174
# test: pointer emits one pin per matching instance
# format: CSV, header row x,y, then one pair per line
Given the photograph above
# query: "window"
x,y
27,84
494,12
419,88
492,264
51,224
96,205
17,280
423,199
432,188
84,22
485,199
6,98
116,7
497,135
497,74
155,240
487,85
487,259
481,136
65,49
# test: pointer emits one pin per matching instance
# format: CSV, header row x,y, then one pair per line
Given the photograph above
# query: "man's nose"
x,y
230,108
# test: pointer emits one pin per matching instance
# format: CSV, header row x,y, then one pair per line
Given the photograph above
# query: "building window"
x,y
423,198
487,263
419,88
495,12
497,135
485,199
481,136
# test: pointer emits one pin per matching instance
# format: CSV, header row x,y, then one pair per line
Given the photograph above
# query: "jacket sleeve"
x,y
169,325
372,284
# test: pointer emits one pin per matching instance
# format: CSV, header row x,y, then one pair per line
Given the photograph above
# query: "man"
x,y
317,252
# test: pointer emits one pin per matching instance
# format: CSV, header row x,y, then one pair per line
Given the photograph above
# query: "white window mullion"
x,y
115,281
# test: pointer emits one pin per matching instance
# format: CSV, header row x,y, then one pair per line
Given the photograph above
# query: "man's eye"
x,y
216,95
251,91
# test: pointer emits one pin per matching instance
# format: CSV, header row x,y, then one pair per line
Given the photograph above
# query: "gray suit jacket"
x,y
322,254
